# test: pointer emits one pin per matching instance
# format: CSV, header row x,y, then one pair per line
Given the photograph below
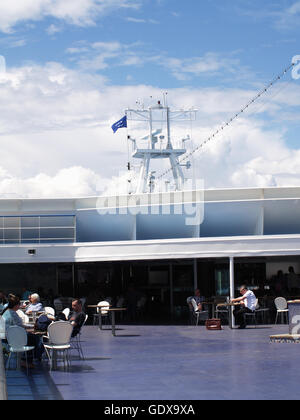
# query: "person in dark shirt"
x,y
77,316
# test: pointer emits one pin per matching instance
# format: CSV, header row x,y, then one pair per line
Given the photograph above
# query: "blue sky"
x,y
74,66
252,38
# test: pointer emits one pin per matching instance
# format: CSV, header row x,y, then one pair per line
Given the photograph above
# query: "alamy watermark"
x,y
296,68
188,203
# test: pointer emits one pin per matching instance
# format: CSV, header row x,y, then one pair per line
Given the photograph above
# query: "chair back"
x,y
281,303
83,301
50,311
59,332
194,305
24,317
16,337
58,305
104,306
2,328
66,312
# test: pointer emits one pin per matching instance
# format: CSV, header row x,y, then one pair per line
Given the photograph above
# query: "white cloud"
x,y
76,12
56,137
102,55
136,20
209,64
69,182
53,29
289,17
283,16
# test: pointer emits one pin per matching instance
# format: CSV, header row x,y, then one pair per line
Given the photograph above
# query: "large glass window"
x,y
37,229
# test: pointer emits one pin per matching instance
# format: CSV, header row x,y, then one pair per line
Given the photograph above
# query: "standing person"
x,y
292,281
280,284
247,304
132,296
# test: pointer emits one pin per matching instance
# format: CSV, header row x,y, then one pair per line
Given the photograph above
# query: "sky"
x,y
69,69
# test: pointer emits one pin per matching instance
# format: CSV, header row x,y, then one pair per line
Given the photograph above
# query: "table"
x,y
113,319
212,309
230,306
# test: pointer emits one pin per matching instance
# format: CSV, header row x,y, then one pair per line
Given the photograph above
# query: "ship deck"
x,y
170,363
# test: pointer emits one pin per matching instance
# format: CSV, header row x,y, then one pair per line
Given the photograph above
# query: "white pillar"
x,y
232,288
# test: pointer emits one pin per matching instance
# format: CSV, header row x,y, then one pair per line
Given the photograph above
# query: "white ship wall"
x,y
234,222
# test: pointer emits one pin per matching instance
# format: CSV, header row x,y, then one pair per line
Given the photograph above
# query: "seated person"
x,y
10,315
247,304
199,299
34,305
11,318
76,316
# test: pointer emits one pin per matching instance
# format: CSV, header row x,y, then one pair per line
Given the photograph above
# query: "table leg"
x,y
113,323
100,321
18,361
54,360
230,310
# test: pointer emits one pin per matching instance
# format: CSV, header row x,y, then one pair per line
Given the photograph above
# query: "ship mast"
x,y
159,144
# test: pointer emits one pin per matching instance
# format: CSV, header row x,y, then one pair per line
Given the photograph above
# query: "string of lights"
x,y
231,120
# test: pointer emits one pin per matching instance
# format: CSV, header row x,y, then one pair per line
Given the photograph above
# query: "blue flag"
x,y
119,124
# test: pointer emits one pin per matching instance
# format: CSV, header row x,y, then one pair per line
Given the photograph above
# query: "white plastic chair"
x,y
76,341
17,342
58,305
2,329
195,311
252,314
49,311
66,312
282,308
23,316
59,336
83,301
102,311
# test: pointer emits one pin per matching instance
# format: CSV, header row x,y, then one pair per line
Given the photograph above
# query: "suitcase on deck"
x,y
213,324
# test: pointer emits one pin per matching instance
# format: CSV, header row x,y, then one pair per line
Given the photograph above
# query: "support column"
x,y
232,288
195,274
171,289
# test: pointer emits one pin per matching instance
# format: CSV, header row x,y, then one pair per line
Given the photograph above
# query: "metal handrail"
x,y
3,386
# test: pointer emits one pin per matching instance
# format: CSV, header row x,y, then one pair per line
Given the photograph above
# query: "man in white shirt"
x,y
247,304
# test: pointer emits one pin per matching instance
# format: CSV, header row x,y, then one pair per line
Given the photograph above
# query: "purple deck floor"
x,y
170,363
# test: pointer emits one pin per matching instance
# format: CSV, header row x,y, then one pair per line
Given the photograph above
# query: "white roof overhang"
x,y
243,246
